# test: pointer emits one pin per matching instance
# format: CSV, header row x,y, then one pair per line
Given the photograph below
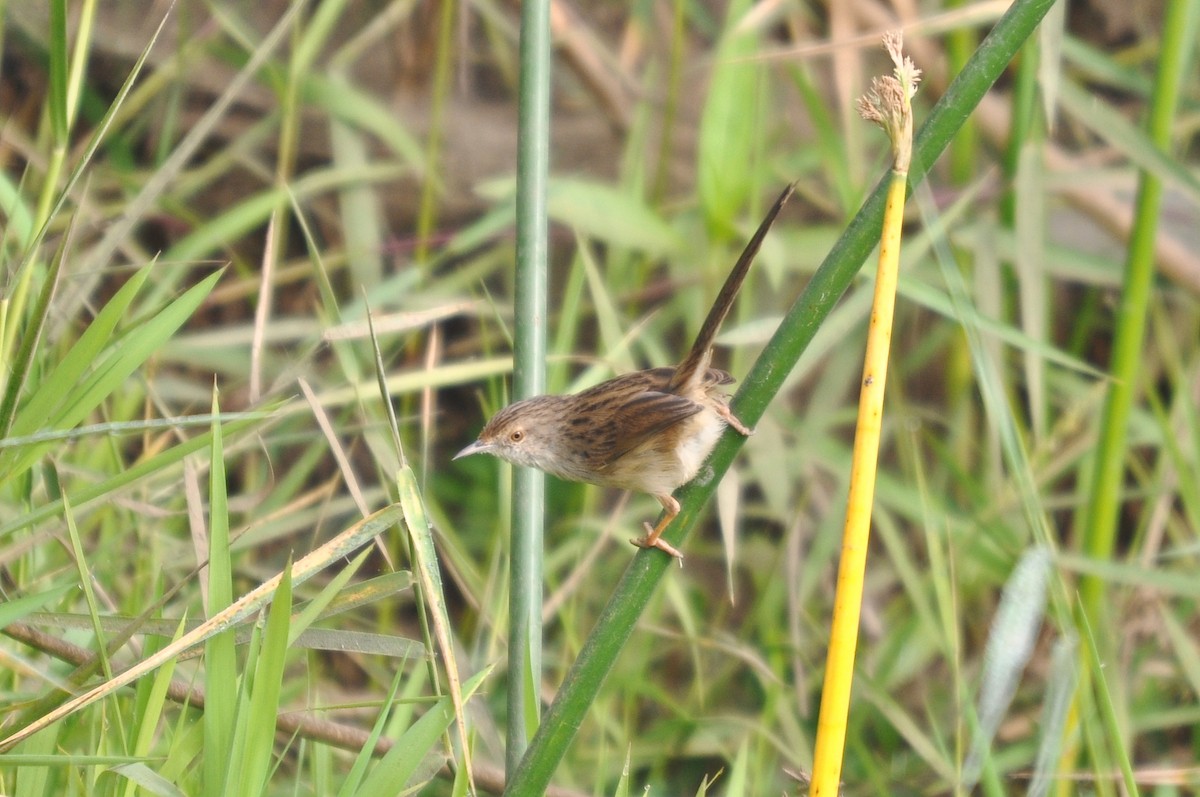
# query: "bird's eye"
x,y
516,436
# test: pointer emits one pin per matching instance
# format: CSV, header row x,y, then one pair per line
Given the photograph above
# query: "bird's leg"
x,y
720,408
653,538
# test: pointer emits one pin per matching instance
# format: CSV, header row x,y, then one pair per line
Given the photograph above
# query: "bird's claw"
x,y
650,541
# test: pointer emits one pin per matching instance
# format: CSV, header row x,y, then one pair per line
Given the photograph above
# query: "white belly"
x,y
661,471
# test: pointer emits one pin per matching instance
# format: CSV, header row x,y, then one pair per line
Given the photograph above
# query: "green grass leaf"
x,y
13,610
259,737
222,683
72,401
415,744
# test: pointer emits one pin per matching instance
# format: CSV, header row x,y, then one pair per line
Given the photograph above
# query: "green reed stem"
x,y
529,375
1103,500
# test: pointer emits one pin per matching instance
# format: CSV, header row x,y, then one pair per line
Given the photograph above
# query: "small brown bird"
x,y
647,431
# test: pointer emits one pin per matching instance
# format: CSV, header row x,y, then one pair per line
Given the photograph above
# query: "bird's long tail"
x,y
698,358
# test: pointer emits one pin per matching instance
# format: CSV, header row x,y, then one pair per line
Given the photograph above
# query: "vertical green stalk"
x,y
1024,101
430,186
964,161
671,101
964,150
58,111
1102,501
529,375
84,29
765,379
60,115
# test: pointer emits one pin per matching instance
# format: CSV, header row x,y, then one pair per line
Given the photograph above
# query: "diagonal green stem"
x,y
766,377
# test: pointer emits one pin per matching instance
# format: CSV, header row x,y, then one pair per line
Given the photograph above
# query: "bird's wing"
x,y
637,420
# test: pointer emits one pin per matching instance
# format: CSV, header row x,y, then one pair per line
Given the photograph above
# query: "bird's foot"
x,y
652,540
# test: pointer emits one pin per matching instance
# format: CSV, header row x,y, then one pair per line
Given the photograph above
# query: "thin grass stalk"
x,y
277,226
430,187
670,101
1023,103
20,365
59,116
529,375
221,681
843,641
964,152
1107,710
1104,496
765,379
1100,510
84,28
58,109
889,105
964,161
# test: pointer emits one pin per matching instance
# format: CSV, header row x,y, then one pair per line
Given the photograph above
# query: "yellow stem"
x,y
839,665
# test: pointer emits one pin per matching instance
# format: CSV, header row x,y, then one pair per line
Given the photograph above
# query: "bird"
x,y
648,431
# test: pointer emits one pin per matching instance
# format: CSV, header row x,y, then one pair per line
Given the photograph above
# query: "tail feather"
x,y
698,358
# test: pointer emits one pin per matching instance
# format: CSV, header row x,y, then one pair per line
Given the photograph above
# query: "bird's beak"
x,y
478,447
